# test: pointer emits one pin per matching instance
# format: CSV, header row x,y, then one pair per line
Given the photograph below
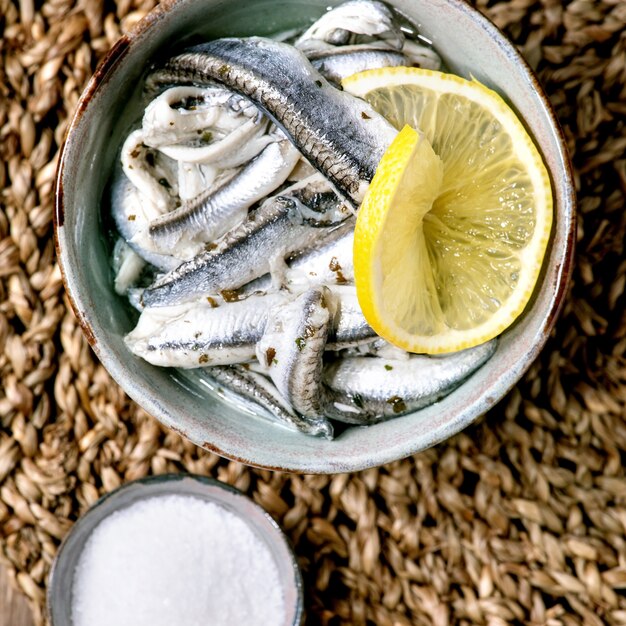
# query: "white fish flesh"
x,y
329,262
337,64
184,114
132,213
127,266
153,174
210,126
348,326
420,55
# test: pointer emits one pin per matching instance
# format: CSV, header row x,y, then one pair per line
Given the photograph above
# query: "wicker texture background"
x,y
520,519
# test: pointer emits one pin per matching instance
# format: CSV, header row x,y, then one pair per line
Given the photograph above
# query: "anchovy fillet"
x,y
348,327
129,217
366,390
351,21
200,334
337,64
260,243
292,349
342,136
218,210
127,265
218,332
257,388
327,263
183,114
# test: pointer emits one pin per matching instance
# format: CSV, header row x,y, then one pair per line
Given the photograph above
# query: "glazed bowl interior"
x,y
186,402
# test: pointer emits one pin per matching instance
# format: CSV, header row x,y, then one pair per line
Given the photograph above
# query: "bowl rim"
x,y
377,457
142,488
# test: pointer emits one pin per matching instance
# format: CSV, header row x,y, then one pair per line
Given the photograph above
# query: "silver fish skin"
x,y
377,347
420,55
222,332
367,390
329,262
348,326
292,349
340,135
255,387
337,64
352,21
214,213
280,226
182,114
198,335
126,209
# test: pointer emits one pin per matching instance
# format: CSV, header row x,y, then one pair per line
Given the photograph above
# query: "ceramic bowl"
x,y
469,44
61,576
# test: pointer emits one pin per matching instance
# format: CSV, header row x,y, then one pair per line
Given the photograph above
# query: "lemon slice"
x,y
452,233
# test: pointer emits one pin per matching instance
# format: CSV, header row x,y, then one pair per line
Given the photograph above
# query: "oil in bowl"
x,y
175,549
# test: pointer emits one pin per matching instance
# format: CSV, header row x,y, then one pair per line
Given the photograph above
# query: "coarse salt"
x,y
176,561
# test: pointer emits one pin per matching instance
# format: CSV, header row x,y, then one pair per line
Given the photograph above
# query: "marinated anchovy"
x,y
223,332
194,179
328,263
231,150
337,64
218,210
348,326
378,347
342,136
292,349
210,126
200,334
277,228
352,22
366,390
257,269
128,208
257,388
153,174
183,115
420,55
127,265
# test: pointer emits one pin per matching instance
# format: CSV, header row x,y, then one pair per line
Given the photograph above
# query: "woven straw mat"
x,y
521,519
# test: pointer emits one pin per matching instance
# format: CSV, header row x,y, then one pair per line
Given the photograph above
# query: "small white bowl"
x,y
60,581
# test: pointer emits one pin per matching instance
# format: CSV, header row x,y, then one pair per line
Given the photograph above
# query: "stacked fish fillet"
x,y
235,204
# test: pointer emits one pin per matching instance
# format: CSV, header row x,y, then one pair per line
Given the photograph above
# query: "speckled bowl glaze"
x,y
469,44
60,581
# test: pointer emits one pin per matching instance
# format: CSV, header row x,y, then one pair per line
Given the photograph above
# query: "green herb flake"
x,y
397,404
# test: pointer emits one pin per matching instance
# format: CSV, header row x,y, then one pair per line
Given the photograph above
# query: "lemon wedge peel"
x,y
374,298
